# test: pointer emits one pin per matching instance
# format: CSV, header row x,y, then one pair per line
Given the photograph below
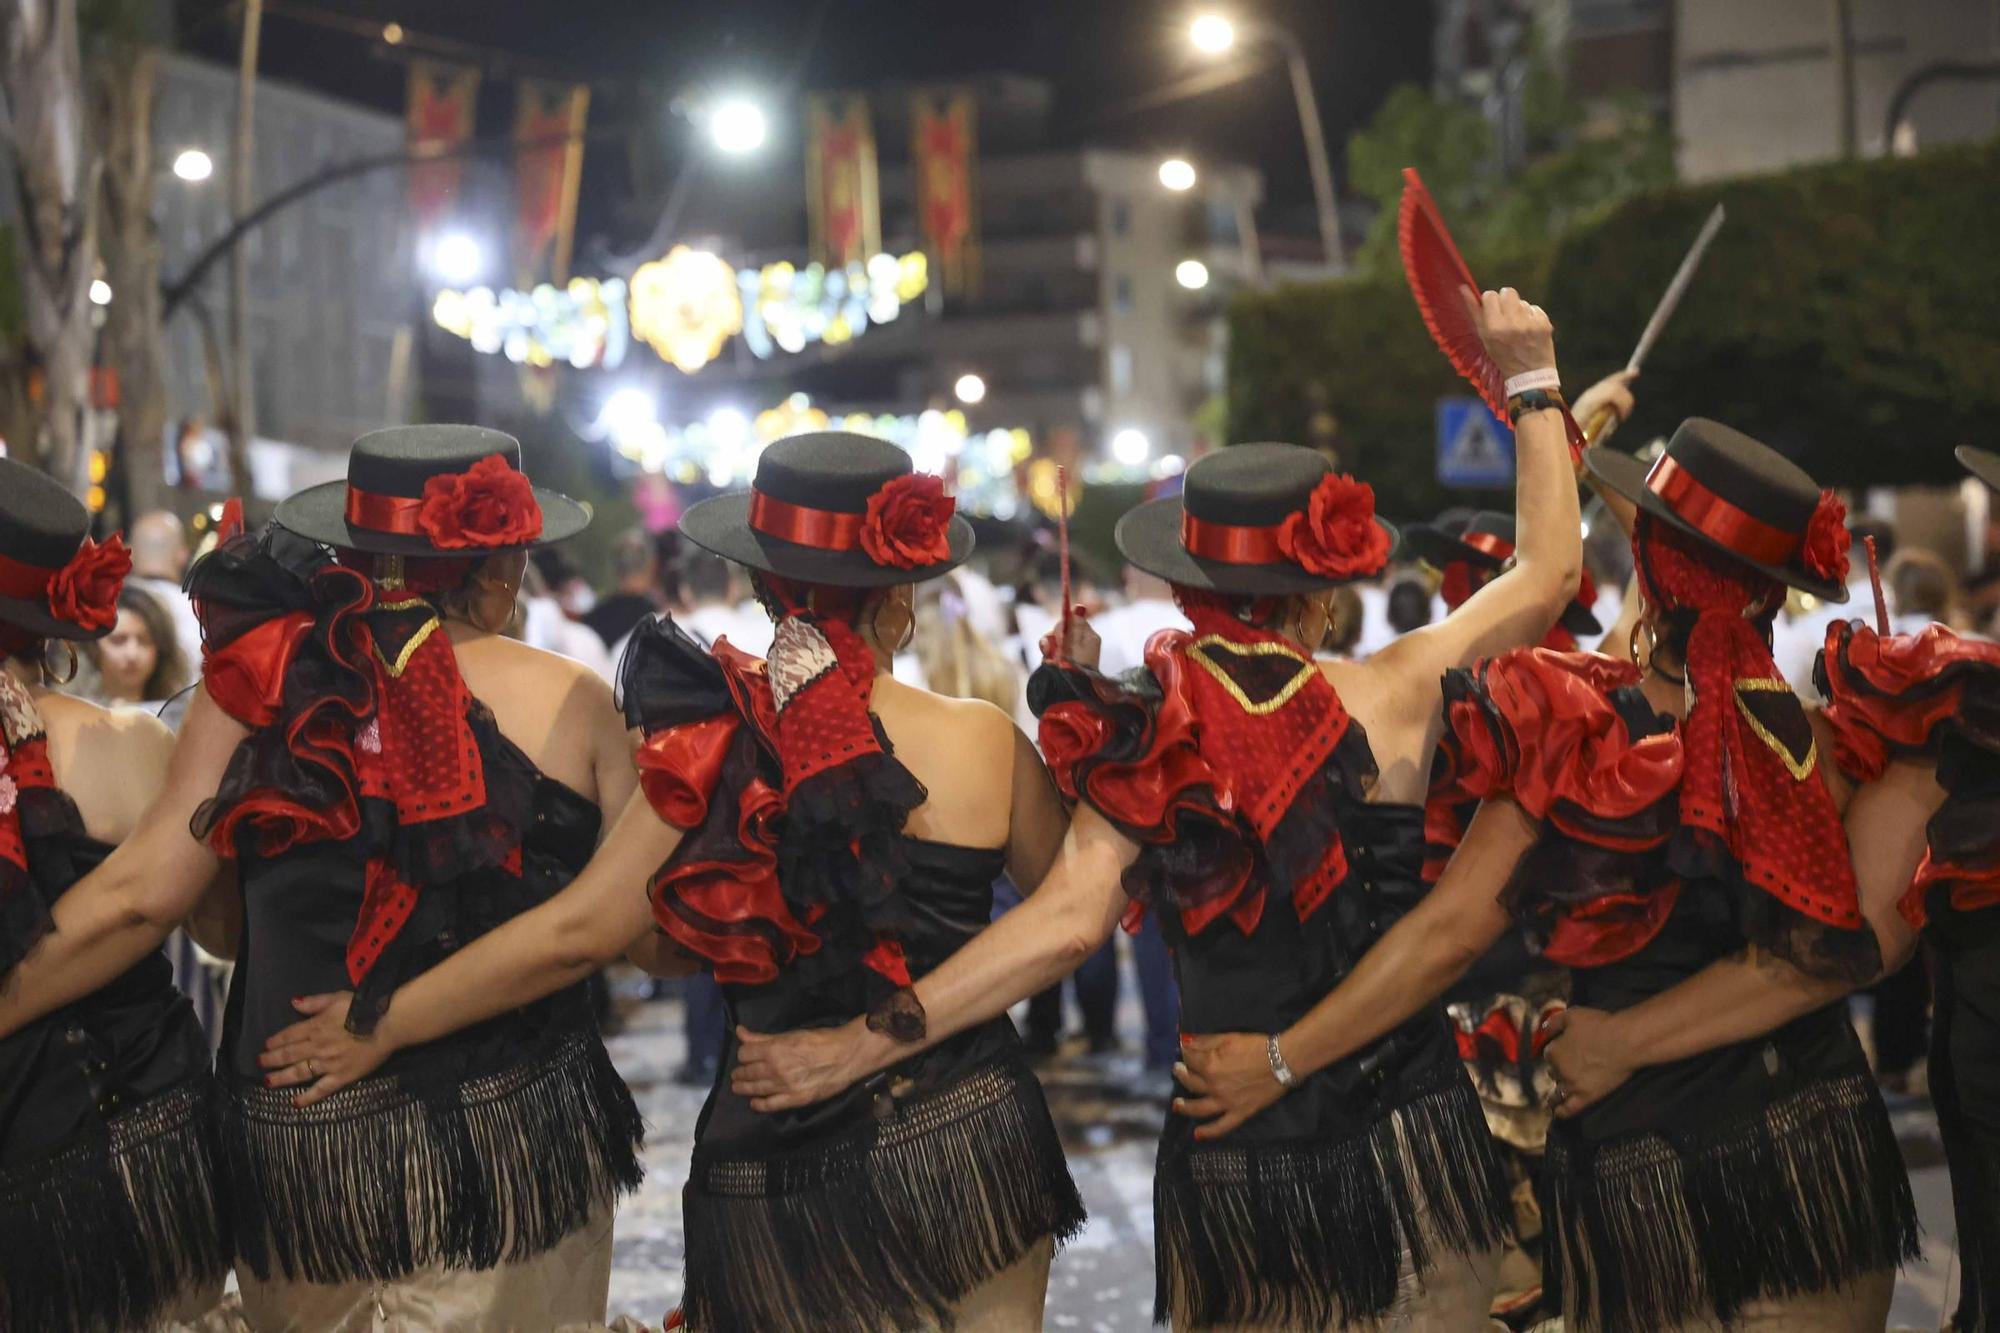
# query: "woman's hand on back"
x,y
1231,1078
318,1054
781,1071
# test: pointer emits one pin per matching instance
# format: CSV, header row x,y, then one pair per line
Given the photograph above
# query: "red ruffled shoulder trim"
x,y
246,677
707,773
1542,727
1131,749
1546,729
1930,696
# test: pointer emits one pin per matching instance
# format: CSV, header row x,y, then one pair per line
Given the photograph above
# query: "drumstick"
x,y
1062,545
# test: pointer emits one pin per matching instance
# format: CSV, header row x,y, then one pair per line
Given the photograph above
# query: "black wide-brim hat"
x,y
391,466
42,526
1252,488
1485,541
1719,486
1443,542
1981,464
816,486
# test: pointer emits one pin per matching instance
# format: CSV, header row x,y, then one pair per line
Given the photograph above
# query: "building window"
x,y
1222,223
1121,215
1121,293
1121,368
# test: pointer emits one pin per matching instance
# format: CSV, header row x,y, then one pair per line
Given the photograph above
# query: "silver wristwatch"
x,y
1279,1069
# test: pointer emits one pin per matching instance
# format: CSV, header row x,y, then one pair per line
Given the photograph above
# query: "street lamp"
x,y
627,412
100,292
191,165
1191,274
1177,174
1131,447
969,390
737,126
1212,35
457,258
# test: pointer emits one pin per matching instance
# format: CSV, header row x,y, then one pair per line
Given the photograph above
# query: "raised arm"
x,y
1750,993
1026,951
1518,607
585,927
1409,967
122,910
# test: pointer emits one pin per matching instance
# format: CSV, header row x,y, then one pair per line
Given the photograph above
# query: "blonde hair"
x,y
957,660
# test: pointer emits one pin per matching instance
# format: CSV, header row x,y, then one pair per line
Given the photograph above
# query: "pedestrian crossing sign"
x,y
1474,447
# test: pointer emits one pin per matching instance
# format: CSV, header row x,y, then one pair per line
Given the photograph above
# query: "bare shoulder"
x,y
134,732
973,720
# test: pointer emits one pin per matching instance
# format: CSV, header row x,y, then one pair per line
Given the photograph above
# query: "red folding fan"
x,y
1438,277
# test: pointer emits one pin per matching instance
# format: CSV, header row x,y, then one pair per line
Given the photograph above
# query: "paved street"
x,y
1103,1282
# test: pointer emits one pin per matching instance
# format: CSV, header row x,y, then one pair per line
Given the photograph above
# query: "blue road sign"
x,y
1474,447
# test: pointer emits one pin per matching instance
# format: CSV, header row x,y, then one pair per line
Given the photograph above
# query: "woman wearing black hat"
x,y
392,779
818,836
1267,807
111,1210
1665,829
1916,717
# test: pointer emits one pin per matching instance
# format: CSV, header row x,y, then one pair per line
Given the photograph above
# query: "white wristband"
x,y
1545,378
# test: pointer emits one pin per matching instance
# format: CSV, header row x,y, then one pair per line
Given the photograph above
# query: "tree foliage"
x,y
1843,315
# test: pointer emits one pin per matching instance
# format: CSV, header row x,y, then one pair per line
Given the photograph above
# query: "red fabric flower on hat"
x,y
909,522
1827,541
1336,535
84,592
488,505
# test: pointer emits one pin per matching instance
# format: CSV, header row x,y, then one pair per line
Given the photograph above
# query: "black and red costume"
x,y
799,888
1758,1170
1232,763
1935,697
380,821
111,1207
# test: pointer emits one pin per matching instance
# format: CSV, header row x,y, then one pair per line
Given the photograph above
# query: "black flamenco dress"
x,y
1753,1171
111,1206
380,822
1935,697
1230,761
883,1206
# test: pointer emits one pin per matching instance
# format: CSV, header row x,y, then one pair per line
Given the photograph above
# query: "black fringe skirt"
x,y
887,1228
113,1229
1808,1195
374,1182
1312,1234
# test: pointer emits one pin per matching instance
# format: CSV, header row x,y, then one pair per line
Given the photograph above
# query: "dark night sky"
x,y
1101,55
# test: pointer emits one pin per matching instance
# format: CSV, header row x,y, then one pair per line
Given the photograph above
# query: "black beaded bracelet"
x,y
1534,400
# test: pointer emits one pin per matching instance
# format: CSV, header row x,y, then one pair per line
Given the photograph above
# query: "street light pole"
x,y
1316,156
1214,35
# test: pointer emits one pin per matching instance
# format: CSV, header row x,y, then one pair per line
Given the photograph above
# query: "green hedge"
x,y
1845,315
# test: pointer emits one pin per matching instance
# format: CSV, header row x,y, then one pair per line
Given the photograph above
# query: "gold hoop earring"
x,y
906,633
1641,660
49,677
472,614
